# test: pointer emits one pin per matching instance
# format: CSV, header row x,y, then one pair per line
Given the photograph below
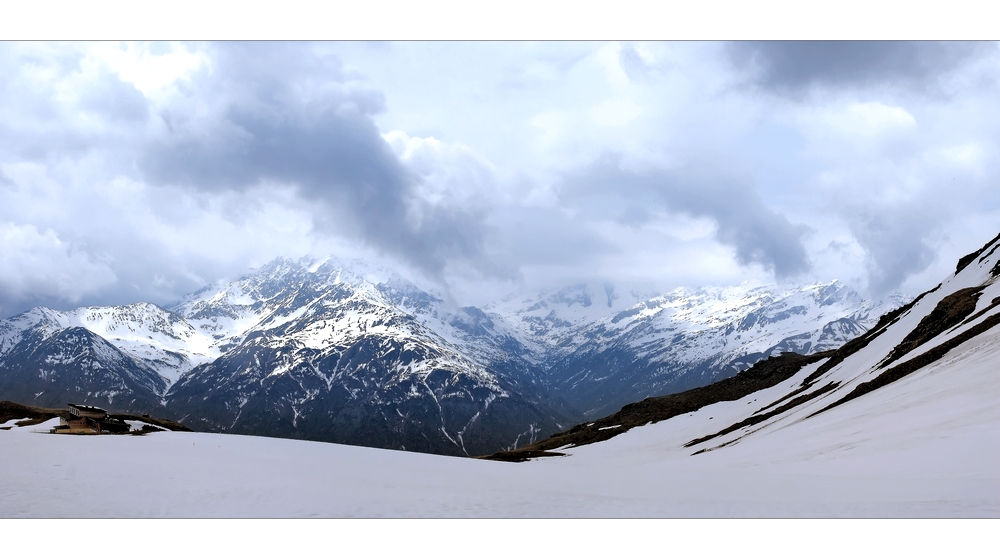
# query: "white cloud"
x,y
553,126
151,73
857,121
872,119
608,58
969,155
615,112
39,264
451,174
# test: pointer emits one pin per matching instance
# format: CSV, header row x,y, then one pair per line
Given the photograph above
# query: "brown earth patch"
x,y
993,304
30,414
951,311
521,455
164,424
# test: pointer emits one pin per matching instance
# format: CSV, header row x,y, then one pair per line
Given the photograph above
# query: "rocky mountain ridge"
x,y
346,352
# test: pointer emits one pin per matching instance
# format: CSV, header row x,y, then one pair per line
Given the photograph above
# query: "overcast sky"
x,y
140,172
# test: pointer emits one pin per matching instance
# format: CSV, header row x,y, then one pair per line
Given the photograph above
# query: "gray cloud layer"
x,y
758,234
284,115
791,67
896,245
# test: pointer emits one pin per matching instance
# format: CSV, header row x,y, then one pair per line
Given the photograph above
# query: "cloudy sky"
x,y
142,171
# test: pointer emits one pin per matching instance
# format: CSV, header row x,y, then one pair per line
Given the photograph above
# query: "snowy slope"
x,y
949,328
926,367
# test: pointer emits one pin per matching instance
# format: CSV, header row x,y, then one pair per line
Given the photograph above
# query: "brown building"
x,y
89,420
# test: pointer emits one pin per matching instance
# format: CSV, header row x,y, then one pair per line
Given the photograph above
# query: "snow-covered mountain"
x,y
318,350
160,339
348,352
601,350
48,360
548,321
921,372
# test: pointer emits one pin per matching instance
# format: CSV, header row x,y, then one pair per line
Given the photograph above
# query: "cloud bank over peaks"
x,y
151,169
742,222
41,268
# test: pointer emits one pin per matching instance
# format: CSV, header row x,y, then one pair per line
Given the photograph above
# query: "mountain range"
x,y
901,421
928,366
342,351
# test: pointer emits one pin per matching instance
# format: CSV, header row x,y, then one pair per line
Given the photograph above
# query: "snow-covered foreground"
x,y
927,447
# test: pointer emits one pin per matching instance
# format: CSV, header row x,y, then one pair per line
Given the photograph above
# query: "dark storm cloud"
x,y
283,113
758,234
791,67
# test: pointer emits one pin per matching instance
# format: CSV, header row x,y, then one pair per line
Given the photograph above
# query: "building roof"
x,y
84,407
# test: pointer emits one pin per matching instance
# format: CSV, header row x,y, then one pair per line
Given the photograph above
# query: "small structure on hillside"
x,y
89,420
